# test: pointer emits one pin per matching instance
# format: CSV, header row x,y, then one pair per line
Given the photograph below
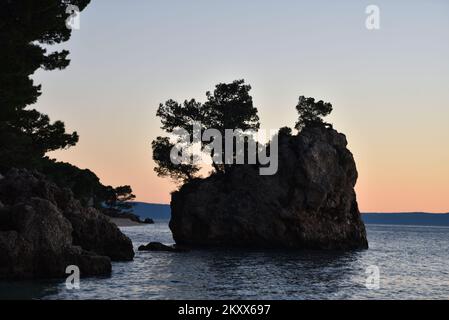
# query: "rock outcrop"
x,y
43,229
310,203
157,246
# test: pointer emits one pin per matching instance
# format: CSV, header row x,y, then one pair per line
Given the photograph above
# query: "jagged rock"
x,y
95,232
43,230
39,244
310,203
157,246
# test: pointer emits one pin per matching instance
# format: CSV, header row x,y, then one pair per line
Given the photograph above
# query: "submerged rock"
x,y
157,246
310,203
43,229
148,221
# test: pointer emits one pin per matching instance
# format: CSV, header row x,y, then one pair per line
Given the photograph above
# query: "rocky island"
x,y
308,203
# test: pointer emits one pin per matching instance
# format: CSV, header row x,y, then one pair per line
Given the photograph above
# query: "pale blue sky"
x,y
389,87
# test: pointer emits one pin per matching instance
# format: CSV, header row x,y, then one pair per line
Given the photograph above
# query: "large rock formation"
x,y
43,229
309,203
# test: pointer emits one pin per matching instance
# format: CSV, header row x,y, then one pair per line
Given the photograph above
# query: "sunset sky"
x,y
389,87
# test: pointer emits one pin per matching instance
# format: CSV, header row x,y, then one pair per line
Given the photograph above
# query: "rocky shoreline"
x,y
43,229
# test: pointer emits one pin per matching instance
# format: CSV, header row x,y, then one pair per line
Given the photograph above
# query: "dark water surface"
x,y
413,262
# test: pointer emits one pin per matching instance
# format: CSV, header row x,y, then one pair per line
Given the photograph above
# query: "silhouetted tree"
x,y
229,107
119,198
27,28
84,184
285,131
311,112
175,115
26,139
165,167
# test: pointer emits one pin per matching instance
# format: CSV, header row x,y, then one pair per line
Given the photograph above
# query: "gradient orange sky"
x,y
389,87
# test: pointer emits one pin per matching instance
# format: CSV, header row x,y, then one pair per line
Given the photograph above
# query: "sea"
x,y
402,262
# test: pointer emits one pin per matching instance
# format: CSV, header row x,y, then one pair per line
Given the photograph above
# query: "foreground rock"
x,y
157,246
43,230
309,204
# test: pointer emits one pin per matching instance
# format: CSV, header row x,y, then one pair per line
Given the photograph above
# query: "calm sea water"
x,y
413,262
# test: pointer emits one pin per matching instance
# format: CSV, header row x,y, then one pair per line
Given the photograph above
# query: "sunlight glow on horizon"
x,y
389,88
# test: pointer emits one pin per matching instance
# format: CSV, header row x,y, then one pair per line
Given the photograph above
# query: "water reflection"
x,y
27,289
412,262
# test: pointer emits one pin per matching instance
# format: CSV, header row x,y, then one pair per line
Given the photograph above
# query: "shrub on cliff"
x,y
311,113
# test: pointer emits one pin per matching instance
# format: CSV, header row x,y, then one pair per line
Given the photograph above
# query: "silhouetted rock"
x,y
43,230
148,221
157,246
94,231
310,203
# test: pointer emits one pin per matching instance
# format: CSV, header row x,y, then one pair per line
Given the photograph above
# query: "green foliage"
x,y
311,112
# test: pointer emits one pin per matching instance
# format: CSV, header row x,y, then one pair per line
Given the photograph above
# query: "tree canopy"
x,y
311,112
119,198
27,29
229,106
165,167
27,26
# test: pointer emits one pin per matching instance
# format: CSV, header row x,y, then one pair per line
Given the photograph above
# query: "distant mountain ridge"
x,y
407,218
152,210
162,212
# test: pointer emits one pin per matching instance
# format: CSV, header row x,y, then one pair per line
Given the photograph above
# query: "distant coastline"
x,y
125,222
162,212
407,218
